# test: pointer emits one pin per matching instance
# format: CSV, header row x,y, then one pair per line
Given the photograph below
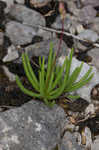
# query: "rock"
x,y
2,15
87,14
42,48
1,38
20,1
79,28
88,137
39,3
95,25
89,35
76,27
85,91
45,35
95,144
95,94
71,5
80,46
70,24
34,126
94,3
11,55
1,44
90,110
9,4
58,23
94,53
69,142
19,34
26,15
11,76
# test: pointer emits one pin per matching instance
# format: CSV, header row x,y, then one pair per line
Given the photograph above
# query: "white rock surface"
x,y
89,35
84,92
11,55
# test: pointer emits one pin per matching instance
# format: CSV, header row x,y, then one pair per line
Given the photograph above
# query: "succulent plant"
x,y
54,80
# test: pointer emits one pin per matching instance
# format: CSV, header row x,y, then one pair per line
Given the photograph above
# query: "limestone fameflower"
x,y
60,81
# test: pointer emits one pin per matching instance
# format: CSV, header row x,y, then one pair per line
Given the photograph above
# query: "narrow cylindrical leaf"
x,y
73,77
50,82
26,91
28,74
49,65
42,77
59,75
29,69
79,84
73,97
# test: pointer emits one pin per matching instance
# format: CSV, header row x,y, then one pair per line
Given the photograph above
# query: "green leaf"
x,y
51,82
42,76
73,77
59,75
40,61
67,69
49,66
73,97
50,104
41,87
79,84
86,75
26,91
58,91
29,72
69,62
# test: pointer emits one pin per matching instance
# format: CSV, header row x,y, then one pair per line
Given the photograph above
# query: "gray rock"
x,y
9,4
58,23
19,34
94,3
76,27
42,48
95,144
1,38
20,1
72,7
34,126
94,53
46,35
85,91
70,24
9,75
39,3
69,142
26,15
95,25
79,46
87,14
11,55
1,44
89,35
88,137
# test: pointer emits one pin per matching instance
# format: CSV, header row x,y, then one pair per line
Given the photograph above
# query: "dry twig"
x,y
68,34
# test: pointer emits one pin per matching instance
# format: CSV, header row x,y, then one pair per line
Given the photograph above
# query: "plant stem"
x,y
58,50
